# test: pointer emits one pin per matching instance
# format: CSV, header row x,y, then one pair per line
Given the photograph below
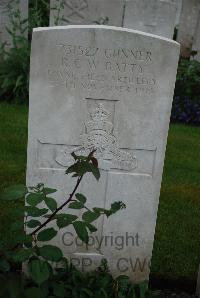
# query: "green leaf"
x,y
18,225
46,234
87,292
74,155
13,192
33,223
116,206
51,253
23,239
71,169
22,255
80,228
51,203
90,216
39,271
28,241
91,228
59,290
123,284
95,171
80,167
33,293
11,286
34,199
17,212
99,210
35,212
64,220
133,291
47,190
76,205
84,165
77,168
4,265
81,198
143,286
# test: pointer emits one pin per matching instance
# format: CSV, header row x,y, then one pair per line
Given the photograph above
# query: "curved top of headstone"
x,y
114,28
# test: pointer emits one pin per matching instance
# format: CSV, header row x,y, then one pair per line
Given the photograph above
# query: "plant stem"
x,y
59,208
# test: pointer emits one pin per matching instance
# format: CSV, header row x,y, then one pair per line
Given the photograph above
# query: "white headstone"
x,y
152,16
22,7
110,89
196,44
178,3
188,25
81,12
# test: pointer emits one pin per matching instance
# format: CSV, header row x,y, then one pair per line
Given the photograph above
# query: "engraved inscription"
x,y
103,69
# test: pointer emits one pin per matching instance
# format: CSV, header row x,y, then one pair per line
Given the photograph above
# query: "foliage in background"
x,y
188,79
14,61
186,104
38,14
18,26
14,72
185,110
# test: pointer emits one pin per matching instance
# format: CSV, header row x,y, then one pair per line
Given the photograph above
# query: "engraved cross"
x,y
76,8
99,136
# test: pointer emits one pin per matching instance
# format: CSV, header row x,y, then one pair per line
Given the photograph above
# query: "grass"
x,y
13,142
177,247
177,241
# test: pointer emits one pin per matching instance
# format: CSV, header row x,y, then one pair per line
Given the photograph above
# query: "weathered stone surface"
x,y
152,16
80,12
196,44
22,6
188,25
178,3
110,89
